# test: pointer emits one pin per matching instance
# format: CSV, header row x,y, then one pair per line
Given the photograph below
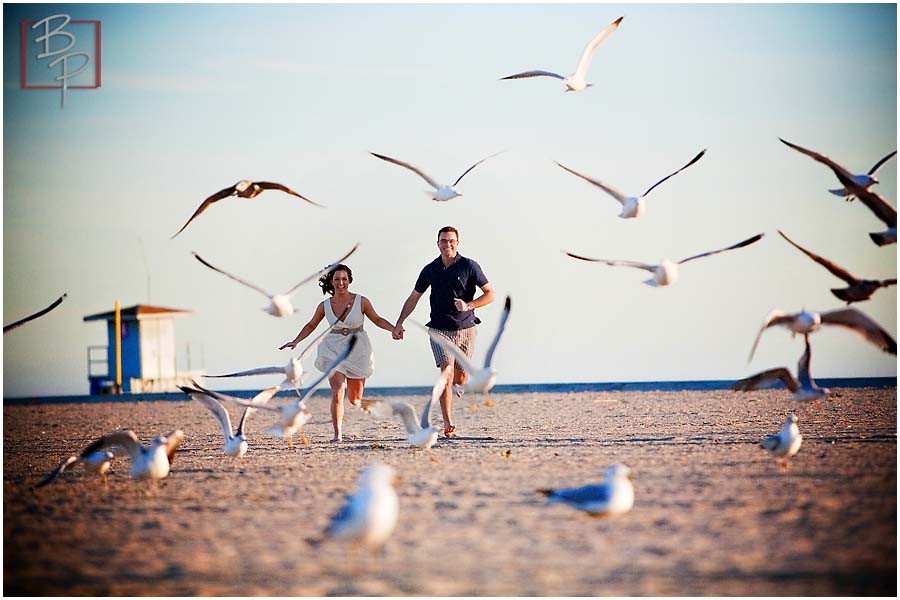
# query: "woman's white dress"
x,y
361,362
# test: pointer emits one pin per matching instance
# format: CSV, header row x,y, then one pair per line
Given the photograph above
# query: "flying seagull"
x,y
243,189
808,321
236,442
845,193
785,443
858,290
20,322
858,185
294,416
279,304
369,516
97,462
632,206
574,82
803,386
480,379
422,434
440,193
666,272
151,462
613,496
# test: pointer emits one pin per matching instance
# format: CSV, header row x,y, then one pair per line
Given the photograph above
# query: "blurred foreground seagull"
x,y
666,272
369,516
294,416
786,442
279,304
858,290
235,443
862,179
243,189
574,82
808,321
440,193
151,462
632,206
613,496
858,185
479,380
803,386
97,462
39,313
422,435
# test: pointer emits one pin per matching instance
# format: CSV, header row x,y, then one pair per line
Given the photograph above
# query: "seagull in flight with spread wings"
x,y
40,313
803,386
862,179
666,272
440,193
148,462
279,304
422,434
575,82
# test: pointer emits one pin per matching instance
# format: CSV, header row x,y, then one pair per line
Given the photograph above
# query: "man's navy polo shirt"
x,y
459,280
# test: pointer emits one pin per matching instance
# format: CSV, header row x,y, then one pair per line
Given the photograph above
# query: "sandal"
x,y
450,431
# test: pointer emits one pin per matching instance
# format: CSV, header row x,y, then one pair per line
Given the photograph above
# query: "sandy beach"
x,y
713,514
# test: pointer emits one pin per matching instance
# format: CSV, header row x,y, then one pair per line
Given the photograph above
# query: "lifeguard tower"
x,y
147,351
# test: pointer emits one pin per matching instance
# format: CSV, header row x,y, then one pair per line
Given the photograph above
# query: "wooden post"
x,y
118,348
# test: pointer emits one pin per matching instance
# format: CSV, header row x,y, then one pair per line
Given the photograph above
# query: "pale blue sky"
x,y
195,98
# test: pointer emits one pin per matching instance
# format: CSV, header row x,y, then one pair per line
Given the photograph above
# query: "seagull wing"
x,y
323,270
240,401
269,185
877,165
775,317
415,170
503,318
407,415
206,203
841,173
833,268
878,205
588,53
173,439
436,392
59,469
765,378
473,166
39,313
746,242
126,440
525,74
580,495
318,340
214,406
238,279
803,375
693,160
622,198
259,371
615,263
863,325
261,398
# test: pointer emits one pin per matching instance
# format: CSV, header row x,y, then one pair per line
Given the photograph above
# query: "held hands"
x,y
461,305
397,332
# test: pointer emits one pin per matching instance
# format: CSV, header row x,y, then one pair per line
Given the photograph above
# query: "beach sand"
x,y
713,513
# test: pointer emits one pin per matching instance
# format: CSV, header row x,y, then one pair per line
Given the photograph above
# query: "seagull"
x,y
632,206
369,516
40,313
858,290
786,442
235,443
422,435
293,416
666,272
574,82
147,463
808,321
862,179
97,462
280,304
483,379
858,185
803,386
440,193
613,496
243,189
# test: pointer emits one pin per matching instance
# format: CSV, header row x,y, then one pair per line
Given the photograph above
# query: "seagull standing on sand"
x,y
862,179
785,443
574,82
613,496
279,304
440,193
153,462
480,379
96,462
243,189
666,272
632,206
369,516
806,322
858,290
858,185
236,442
39,313
803,386
422,435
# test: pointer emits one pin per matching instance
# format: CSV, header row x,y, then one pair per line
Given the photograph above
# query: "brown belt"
x,y
346,330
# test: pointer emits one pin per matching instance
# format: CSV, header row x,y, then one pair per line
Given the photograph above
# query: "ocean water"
x,y
556,388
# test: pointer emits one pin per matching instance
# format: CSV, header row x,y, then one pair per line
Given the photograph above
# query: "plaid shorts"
x,y
463,338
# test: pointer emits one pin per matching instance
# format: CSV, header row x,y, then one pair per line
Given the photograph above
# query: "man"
x,y
453,279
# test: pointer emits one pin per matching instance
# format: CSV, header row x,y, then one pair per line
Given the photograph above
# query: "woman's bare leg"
x,y
337,381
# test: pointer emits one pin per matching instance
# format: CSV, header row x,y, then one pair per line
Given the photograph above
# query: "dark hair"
x,y
448,229
325,281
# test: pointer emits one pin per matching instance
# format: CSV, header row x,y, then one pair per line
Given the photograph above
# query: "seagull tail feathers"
x,y
883,238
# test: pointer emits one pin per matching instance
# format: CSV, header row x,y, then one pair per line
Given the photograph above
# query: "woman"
x,y
353,371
